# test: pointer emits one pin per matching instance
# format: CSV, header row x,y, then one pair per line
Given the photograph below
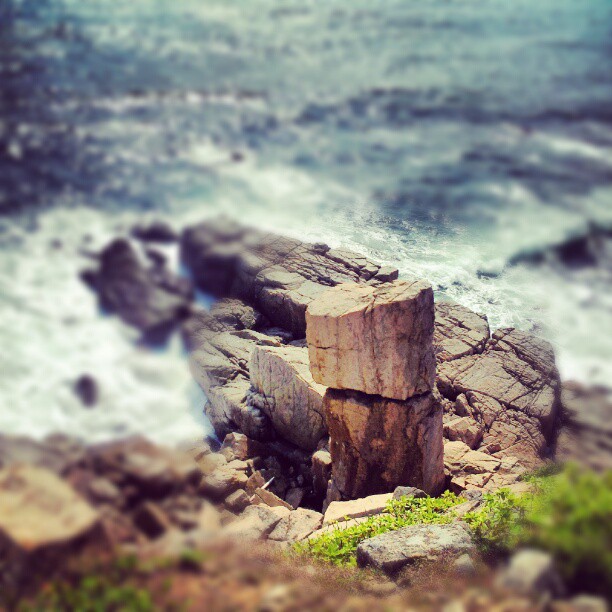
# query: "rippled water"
x,y
449,138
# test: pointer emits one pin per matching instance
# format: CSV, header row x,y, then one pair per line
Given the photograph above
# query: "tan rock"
x,y
377,340
464,429
458,332
222,482
321,470
290,397
43,524
356,508
256,522
378,444
298,525
263,496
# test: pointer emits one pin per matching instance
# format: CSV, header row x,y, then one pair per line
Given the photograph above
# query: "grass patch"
x,y
339,545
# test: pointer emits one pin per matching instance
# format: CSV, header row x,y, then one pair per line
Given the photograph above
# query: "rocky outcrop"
x,y
377,443
392,551
287,394
150,298
43,524
377,340
511,391
459,332
280,276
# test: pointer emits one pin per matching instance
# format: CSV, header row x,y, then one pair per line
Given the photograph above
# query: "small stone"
x,y
321,470
464,566
86,389
238,500
408,492
222,482
264,496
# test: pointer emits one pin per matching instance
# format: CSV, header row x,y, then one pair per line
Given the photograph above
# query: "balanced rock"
x,y
290,398
377,340
378,444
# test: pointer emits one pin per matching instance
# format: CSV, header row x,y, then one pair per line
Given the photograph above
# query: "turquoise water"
x,y
448,138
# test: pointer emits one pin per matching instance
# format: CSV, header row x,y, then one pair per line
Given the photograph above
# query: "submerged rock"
x,y
377,340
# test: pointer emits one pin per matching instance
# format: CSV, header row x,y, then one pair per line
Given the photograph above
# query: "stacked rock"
x,y
373,348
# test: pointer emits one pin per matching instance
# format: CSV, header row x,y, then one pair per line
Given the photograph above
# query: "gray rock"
x,y
531,572
256,522
408,492
458,332
298,525
238,500
290,398
464,566
392,551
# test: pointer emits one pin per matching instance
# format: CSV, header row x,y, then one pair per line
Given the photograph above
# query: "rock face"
x,y
392,551
43,522
377,443
511,391
279,276
459,332
288,395
377,340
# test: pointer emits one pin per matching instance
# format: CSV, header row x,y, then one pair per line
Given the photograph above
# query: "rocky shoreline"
x,y
304,342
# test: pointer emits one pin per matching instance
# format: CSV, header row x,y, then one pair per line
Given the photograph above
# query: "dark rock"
x,y
151,520
86,389
156,231
377,444
238,500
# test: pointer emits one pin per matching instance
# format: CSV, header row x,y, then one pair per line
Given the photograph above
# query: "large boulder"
x,y
377,443
278,275
394,550
289,396
459,332
511,390
377,340
43,524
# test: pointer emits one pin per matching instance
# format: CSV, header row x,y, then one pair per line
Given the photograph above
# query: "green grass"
x,y
568,513
339,545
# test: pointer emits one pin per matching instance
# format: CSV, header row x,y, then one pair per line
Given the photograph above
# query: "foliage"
x,y
568,514
339,545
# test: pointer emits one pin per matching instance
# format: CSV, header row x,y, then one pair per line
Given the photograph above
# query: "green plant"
x,y
339,545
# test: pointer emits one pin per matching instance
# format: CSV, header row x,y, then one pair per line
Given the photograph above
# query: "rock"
x,y
263,496
209,518
235,314
242,447
464,429
294,496
155,231
86,389
255,481
53,456
238,500
43,525
298,525
141,297
394,550
219,363
408,492
256,522
377,340
513,392
279,276
222,482
103,490
458,332
464,566
531,572
321,471
209,463
586,435
356,508
290,398
151,520
581,603
377,443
